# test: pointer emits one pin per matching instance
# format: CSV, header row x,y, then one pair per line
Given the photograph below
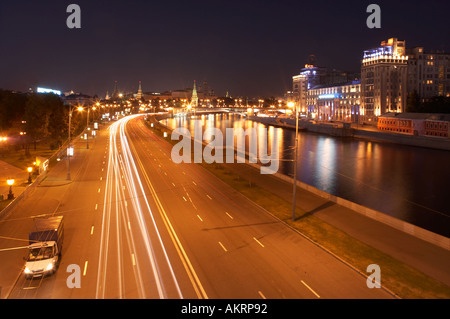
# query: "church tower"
x,y
194,99
139,93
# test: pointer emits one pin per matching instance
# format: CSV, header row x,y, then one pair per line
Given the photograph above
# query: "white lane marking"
x,y
208,196
96,206
221,245
194,183
185,199
85,268
229,215
199,218
258,242
261,294
134,261
92,230
310,289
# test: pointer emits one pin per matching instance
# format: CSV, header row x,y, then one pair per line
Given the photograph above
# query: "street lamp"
x,y
29,169
69,148
10,182
294,191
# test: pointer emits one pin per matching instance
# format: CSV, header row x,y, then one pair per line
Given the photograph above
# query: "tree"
x,y
413,102
37,118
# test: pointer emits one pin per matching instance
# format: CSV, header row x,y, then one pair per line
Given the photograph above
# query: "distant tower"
x,y
205,89
115,94
194,99
107,95
139,93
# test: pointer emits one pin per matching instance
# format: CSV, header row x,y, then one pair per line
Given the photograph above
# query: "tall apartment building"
x,y
428,73
384,80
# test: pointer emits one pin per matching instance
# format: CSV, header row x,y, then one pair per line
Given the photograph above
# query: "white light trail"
x,y
121,172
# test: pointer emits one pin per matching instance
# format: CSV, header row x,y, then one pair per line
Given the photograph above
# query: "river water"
x,y
409,183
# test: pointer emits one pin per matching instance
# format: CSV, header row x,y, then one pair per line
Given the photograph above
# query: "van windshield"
x,y
40,253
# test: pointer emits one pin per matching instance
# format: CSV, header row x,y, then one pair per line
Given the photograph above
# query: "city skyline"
x,y
246,48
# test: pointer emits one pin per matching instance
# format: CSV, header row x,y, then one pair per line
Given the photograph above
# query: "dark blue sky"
x,y
249,47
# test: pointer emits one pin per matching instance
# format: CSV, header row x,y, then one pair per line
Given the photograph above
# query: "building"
x,y
420,124
384,80
335,102
139,94
312,76
428,73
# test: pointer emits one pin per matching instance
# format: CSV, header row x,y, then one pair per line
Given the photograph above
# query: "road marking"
x,y
129,226
165,173
199,218
173,184
101,178
261,294
229,215
194,183
85,268
92,230
134,261
258,242
310,289
99,190
126,204
96,206
208,196
184,199
222,246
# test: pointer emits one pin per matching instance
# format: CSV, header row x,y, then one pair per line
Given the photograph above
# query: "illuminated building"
x,y
428,73
194,98
420,124
335,102
139,94
384,80
311,76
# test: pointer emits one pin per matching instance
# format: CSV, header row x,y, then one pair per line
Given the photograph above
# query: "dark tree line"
x,y
41,116
437,104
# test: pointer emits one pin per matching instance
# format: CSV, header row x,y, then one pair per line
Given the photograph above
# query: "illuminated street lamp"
x,y
29,169
294,191
69,148
10,182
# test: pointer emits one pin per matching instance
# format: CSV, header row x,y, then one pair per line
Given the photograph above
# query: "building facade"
x,y
420,124
335,102
428,73
384,80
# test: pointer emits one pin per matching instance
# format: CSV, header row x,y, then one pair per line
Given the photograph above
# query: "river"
x,y
409,183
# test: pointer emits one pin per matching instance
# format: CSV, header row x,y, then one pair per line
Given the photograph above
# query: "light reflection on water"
x,y
406,182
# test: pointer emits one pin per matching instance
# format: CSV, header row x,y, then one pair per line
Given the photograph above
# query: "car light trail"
x,y
123,185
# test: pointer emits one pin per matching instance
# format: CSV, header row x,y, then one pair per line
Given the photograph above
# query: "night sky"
x,y
247,47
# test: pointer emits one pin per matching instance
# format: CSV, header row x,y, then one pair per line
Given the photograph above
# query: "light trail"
x,y
123,185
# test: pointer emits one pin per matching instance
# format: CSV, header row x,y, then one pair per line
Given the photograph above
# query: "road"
x,y
140,226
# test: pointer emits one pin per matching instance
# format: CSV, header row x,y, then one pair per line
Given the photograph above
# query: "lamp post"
x,y
294,190
10,182
29,169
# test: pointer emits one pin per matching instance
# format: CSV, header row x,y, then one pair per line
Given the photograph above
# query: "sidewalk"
x,y
426,257
20,177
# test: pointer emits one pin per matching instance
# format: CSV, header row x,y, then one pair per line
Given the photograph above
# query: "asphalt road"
x,y
140,226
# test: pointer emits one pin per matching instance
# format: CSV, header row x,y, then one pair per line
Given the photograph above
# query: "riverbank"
x,y
367,133
408,264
